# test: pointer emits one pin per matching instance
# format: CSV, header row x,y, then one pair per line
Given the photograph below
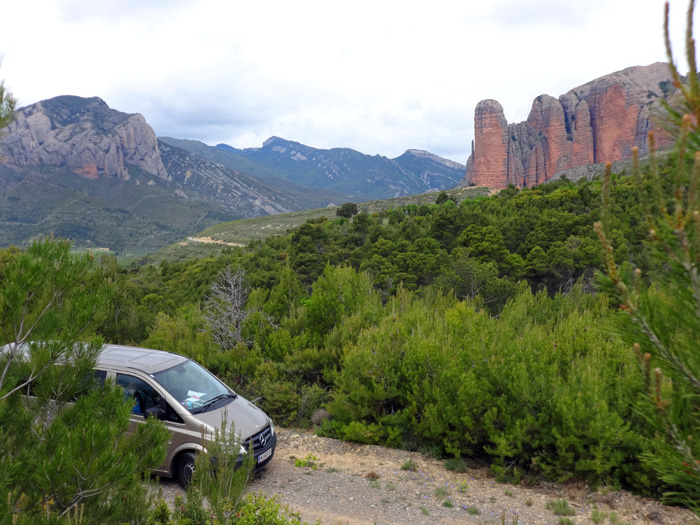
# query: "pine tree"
x,y
63,443
7,106
662,317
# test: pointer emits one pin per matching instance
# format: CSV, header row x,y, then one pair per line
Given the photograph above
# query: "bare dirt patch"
x,y
364,484
211,240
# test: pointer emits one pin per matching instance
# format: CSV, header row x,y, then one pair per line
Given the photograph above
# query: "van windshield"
x,y
194,387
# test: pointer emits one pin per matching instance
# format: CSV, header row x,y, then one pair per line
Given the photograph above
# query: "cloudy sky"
x,y
378,76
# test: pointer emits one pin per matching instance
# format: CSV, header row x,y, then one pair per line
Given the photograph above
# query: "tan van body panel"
x,y
249,423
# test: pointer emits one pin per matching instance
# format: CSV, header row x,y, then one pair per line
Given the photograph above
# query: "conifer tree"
x,y
64,449
662,318
7,106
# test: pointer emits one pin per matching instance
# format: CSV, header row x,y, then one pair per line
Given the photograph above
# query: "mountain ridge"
x,y
74,167
599,121
358,175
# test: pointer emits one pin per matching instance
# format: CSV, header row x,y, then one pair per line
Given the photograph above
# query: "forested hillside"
x,y
471,330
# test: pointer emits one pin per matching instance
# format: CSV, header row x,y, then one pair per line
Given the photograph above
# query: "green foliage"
x,y
347,210
64,447
442,198
219,477
46,292
598,517
257,509
661,321
561,507
524,390
216,494
160,515
7,106
456,465
182,333
409,465
310,461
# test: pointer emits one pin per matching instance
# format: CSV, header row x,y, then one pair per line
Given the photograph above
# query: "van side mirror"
x,y
156,412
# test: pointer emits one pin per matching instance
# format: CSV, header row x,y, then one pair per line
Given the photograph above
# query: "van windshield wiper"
x,y
213,400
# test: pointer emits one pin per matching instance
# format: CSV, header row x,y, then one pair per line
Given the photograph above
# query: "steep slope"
x,y
83,134
132,216
77,168
598,122
302,196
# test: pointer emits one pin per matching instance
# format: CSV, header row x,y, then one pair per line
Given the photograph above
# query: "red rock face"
x,y
598,122
490,143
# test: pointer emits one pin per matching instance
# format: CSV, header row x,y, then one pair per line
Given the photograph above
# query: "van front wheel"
x,y
185,469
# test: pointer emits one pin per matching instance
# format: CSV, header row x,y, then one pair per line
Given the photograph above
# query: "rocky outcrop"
x,y
600,121
83,134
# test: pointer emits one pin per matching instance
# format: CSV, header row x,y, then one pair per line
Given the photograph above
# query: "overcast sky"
x,y
376,76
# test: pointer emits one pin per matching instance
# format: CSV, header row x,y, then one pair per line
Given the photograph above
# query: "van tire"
x,y
185,468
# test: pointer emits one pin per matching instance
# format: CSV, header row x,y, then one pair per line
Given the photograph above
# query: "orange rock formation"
x,y
598,122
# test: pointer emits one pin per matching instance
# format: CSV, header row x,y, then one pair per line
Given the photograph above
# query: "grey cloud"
x,y
215,103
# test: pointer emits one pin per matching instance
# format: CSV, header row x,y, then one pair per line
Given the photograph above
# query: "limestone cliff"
x,y
598,122
85,135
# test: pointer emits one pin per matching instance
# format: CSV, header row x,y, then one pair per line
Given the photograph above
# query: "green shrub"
x,y
536,387
456,465
560,507
257,509
409,465
309,461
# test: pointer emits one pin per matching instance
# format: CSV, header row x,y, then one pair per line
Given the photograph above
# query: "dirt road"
x,y
363,484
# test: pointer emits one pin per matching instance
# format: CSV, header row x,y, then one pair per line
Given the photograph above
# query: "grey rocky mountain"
x,y
85,135
359,176
76,167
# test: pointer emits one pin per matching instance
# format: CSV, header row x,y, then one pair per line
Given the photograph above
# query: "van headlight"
x,y
243,451
272,427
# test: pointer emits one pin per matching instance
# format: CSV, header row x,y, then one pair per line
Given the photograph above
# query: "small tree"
x,y
663,320
64,446
442,198
347,210
7,106
225,310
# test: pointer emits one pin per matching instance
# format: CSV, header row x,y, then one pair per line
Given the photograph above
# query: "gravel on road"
x,y
365,484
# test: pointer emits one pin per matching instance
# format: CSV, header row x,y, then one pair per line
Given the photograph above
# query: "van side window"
x,y
89,382
145,397
100,377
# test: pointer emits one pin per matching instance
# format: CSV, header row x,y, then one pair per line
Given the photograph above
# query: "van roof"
x,y
119,357
143,359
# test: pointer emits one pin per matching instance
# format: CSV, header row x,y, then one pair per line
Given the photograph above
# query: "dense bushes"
x,y
541,388
457,329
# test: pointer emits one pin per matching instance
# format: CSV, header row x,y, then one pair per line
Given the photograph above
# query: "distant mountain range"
x,y
74,167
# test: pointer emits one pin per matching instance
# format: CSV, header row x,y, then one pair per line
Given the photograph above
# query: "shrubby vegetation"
x,y
464,330
663,321
64,450
468,330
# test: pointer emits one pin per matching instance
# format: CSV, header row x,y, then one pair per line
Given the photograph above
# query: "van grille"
x,y
262,440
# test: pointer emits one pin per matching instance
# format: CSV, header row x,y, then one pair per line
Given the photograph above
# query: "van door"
x,y
146,399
